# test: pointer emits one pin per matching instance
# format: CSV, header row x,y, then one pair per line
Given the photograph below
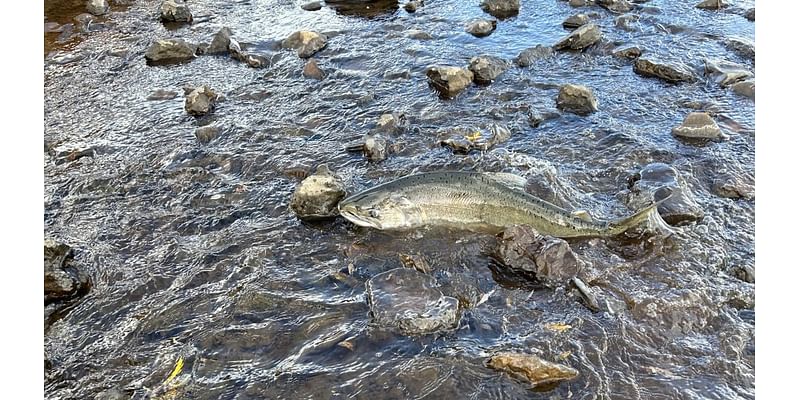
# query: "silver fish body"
x,y
473,201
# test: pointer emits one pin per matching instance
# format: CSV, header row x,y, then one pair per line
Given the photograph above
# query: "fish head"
x,y
380,211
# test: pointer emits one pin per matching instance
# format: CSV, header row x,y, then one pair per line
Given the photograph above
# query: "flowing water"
x,y
195,255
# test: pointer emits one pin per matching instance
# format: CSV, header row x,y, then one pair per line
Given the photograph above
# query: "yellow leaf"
x,y
563,356
558,327
176,371
474,136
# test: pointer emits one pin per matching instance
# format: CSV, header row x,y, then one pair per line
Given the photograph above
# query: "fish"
x,y
479,202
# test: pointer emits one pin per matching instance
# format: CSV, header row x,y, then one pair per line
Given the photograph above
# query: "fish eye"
x,y
374,213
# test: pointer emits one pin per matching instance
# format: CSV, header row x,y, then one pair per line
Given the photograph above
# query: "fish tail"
x,y
647,216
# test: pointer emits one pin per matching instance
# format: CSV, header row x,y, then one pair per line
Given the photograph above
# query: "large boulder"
x,y
97,7
531,368
650,184
201,101
527,57
501,8
699,125
169,51
318,195
670,72
485,68
175,11
481,27
726,73
551,260
576,99
580,38
305,42
449,81
63,280
220,42
408,300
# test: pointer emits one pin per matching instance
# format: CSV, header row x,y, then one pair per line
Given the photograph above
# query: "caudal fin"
x,y
648,216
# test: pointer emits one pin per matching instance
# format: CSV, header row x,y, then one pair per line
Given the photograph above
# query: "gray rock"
x,y
401,74
527,57
485,68
97,7
393,122
626,22
169,51
742,47
482,27
711,4
312,70
413,5
175,11
409,301
580,38
575,21
649,184
530,368
652,67
627,51
745,88
615,6
206,134
318,195
522,249
201,101
699,125
220,42
501,8
62,278
375,148
750,14
576,99
726,73
449,81
577,3
305,42
418,34
312,6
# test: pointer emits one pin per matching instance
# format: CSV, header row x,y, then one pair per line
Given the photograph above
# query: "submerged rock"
x,y
711,4
175,11
409,301
616,6
97,7
649,184
482,27
626,22
699,125
312,70
550,259
485,68
220,42
575,21
162,94
652,67
305,42
169,51
527,57
206,134
318,195
531,368
201,101
449,81
501,8
726,73
743,47
62,279
580,38
576,99
628,51
745,88
418,34
312,6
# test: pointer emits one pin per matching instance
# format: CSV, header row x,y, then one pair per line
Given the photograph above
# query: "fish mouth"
x,y
350,213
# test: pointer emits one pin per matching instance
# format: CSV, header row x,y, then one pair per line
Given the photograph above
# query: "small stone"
x,y
220,42
97,7
375,148
413,5
531,368
486,69
205,134
392,122
482,27
580,38
750,14
699,125
312,70
62,278
527,57
318,195
175,11
655,68
629,51
575,21
52,27
711,4
626,21
501,8
726,73
615,6
449,81
418,34
169,51
576,99
312,6
549,259
416,262
577,3
305,42
744,273
745,88
201,101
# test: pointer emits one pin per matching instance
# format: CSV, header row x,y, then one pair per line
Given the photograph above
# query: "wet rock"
x,y
52,27
220,42
577,3
413,5
312,70
409,301
318,195
745,273
711,4
392,122
576,99
745,88
501,8
65,155
403,74
206,134
699,125
726,73
531,368
169,51
112,394
649,184
375,148
626,22
750,14
485,68
305,42
97,7
162,94
551,260
62,278
615,6
742,47
449,81
175,11
201,101
463,140
732,186
416,262
652,67
418,34
627,51
482,27
580,38
527,57
256,61
575,21
312,6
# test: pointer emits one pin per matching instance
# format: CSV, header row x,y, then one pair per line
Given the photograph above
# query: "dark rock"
x,y
726,73
305,42
312,6
551,260
205,134
463,140
413,5
220,42
531,368
482,27
63,280
744,273
527,57
201,101
653,67
449,81
416,262
169,51
393,122
409,301
628,51
418,34
318,195
575,21
576,99
745,88
699,125
175,11
485,68
711,4
626,22
580,38
649,184
615,6
501,8
97,7
577,3
375,148
312,70
750,14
